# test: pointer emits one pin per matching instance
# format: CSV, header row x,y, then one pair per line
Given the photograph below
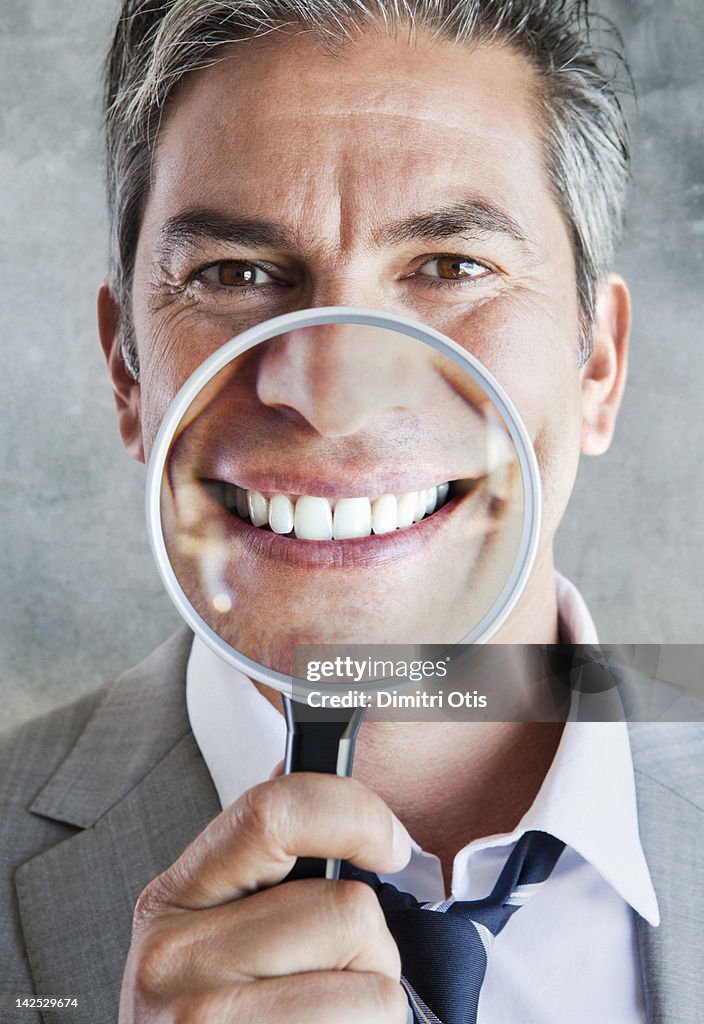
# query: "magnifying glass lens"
x,y
342,483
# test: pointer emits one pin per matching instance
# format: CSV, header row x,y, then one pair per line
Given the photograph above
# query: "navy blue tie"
x,y
444,946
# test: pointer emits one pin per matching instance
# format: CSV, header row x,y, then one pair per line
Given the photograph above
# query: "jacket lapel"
x,y
137,786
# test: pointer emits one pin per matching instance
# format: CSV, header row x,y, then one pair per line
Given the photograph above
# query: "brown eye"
x,y
236,274
454,268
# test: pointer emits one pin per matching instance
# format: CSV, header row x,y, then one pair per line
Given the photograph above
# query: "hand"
x,y
215,939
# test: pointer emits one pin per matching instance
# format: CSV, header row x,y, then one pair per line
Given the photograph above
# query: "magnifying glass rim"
x,y
513,587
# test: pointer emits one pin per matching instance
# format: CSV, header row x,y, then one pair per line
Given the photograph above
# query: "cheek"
x,y
557,451
533,353
170,351
173,340
548,397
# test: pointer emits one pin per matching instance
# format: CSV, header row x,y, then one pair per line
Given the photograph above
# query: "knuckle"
x,y
391,1000
207,1008
259,812
357,904
242,1006
150,966
203,1013
190,1011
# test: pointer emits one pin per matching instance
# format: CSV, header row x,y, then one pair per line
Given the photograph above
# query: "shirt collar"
x,y
587,798
240,734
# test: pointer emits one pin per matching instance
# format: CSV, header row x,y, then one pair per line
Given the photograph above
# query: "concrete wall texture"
x,y
80,598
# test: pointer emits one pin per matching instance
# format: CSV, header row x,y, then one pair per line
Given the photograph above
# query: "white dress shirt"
x,y
569,954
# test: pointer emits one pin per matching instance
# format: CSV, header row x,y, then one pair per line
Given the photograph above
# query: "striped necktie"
x,y
444,946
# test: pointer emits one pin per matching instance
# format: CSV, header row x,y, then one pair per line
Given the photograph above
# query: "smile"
x,y
313,518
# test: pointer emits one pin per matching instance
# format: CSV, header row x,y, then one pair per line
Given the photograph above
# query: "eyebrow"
x,y
194,226
467,217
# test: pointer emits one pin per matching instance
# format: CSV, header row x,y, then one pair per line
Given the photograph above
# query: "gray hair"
x,y
158,42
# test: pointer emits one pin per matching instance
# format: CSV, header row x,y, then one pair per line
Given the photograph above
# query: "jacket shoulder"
x,y
32,753
29,755
37,813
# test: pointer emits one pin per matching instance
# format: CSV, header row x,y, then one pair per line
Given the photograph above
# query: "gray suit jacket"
x,y
99,797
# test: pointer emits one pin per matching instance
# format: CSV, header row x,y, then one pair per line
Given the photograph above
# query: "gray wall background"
x,y
80,599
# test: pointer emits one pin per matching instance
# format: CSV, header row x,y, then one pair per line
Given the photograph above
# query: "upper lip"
x,y
272,462
334,481
325,488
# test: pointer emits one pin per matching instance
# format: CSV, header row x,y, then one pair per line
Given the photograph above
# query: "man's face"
x,y
406,178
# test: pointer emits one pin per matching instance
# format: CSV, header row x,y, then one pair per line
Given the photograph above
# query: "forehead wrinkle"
x,y
317,201
342,208
333,114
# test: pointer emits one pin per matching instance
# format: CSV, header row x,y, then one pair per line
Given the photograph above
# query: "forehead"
x,y
381,126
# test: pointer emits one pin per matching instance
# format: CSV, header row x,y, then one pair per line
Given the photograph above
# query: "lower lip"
x,y
358,553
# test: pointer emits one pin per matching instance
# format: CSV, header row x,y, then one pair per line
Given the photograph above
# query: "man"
x,y
463,164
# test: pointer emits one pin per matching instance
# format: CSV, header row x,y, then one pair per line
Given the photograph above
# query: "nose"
x,y
340,377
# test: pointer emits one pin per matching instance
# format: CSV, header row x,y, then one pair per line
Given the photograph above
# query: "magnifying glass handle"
x,y
317,742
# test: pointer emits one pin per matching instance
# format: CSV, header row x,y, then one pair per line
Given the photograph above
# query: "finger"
x,y
312,925
342,997
255,842
319,925
278,771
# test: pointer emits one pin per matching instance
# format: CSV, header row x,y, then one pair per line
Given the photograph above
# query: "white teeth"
x,y
352,518
406,509
313,518
281,513
385,514
258,508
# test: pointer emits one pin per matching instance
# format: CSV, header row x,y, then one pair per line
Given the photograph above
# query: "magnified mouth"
x,y
314,518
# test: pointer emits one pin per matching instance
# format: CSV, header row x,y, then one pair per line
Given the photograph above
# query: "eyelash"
x,y
197,276
428,280
439,282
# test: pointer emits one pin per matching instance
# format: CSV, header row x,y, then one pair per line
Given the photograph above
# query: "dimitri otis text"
x,y
395,699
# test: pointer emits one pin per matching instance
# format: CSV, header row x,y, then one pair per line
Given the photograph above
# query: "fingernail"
x,y
400,844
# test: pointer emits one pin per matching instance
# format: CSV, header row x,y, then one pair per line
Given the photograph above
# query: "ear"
x,y
604,373
125,388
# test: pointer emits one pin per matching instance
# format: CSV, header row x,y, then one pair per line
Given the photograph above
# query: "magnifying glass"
x,y
333,477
